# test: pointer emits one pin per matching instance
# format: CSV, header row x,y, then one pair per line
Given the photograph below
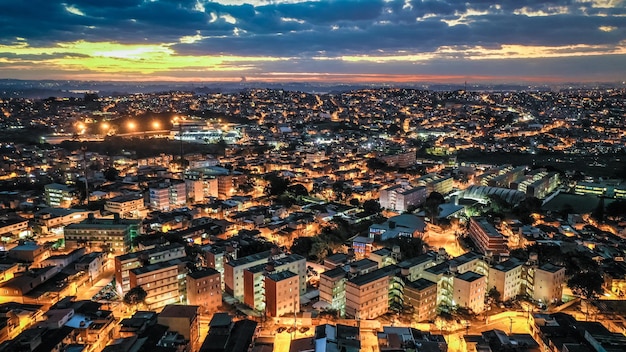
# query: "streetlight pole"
x,y
510,326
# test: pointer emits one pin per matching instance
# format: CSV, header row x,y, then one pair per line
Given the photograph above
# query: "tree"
x,y
587,284
616,208
371,206
431,205
135,296
276,185
494,294
598,213
354,202
298,190
111,174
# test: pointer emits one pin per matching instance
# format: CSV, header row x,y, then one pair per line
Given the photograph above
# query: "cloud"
x,y
387,31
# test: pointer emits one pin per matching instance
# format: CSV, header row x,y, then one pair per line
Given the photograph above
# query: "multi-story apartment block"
x,y
333,288
94,264
469,291
506,277
545,282
413,268
367,296
487,238
400,198
233,271
195,191
53,220
14,227
444,274
436,183
400,159
204,289
282,293
164,282
183,319
215,257
125,263
114,235
421,294
168,195
60,196
254,276
127,206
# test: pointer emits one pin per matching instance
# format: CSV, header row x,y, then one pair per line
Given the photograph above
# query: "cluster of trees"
x,y
328,240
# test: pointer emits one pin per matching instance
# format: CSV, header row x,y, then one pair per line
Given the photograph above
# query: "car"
x,y
291,329
281,329
304,329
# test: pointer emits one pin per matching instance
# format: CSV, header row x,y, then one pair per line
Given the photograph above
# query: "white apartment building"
x,y
128,206
168,195
547,283
506,277
400,198
469,291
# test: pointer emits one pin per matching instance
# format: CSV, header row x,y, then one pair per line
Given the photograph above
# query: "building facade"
x,y
204,289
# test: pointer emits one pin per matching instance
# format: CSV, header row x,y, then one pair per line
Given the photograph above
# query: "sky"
x,y
506,41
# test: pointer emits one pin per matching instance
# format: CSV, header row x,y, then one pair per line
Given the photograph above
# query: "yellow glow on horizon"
x,y
109,57
481,53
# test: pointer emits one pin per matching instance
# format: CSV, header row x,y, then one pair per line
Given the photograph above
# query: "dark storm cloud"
x,y
304,29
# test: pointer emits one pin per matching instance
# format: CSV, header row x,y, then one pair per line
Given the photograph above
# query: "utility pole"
x,y
510,326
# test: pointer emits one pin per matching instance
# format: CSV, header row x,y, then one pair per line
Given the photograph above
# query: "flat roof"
x,y
283,275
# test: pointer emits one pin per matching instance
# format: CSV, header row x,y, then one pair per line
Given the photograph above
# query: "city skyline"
x,y
315,41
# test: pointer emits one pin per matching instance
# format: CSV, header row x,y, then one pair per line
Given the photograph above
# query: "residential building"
x,y
488,240
253,277
421,294
546,282
400,198
164,282
367,296
109,235
53,220
127,206
58,195
282,293
233,271
228,336
29,252
204,289
14,227
125,263
469,291
94,264
413,268
407,225
362,246
183,319
506,278
168,195
332,288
